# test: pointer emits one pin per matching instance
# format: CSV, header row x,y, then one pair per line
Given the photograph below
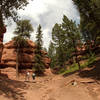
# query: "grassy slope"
x,y
74,67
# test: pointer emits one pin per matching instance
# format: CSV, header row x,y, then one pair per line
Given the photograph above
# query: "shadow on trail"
x,y
93,71
11,89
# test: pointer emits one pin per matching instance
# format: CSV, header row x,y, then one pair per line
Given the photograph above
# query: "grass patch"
x,y
74,67
91,59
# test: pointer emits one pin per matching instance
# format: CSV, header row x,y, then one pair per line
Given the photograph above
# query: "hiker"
x,y
27,76
33,76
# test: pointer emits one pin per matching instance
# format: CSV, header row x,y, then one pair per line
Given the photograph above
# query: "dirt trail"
x,y
56,87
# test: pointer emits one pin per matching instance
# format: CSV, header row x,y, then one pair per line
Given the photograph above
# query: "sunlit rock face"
x,y
26,57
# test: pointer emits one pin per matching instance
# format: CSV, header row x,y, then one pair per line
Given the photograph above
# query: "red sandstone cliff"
x,y
26,57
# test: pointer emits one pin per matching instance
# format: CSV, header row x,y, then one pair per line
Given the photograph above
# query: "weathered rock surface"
x,y
26,57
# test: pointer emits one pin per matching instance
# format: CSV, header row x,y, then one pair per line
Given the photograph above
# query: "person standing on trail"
x,y
27,76
33,76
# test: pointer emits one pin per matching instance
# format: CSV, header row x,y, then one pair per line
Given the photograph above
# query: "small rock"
x,y
74,83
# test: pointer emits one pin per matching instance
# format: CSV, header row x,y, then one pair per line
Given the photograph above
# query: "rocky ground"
x,y
50,87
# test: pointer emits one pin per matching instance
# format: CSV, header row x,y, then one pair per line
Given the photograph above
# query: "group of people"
x,y
27,77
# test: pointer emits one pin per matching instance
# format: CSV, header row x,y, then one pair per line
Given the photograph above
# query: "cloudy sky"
x,y
46,13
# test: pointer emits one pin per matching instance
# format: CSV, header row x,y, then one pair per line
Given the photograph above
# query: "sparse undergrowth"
x,y
74,67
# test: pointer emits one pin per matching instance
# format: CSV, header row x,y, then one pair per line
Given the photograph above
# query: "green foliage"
x,y
66,37
23,28
90,18
39,65
73,37
8,9
59,40
72,32
52,55
74,67
91,59
19,42
22,32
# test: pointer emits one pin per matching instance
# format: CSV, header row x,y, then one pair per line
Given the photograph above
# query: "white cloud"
x,y
46,13
9,34
46,38
34,9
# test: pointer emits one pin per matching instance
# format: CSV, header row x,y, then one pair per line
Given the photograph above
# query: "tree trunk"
x,y
76,58
1,34
17,63
77,61
1,49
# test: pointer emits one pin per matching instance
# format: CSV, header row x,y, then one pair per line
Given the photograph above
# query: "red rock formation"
x,y
26,57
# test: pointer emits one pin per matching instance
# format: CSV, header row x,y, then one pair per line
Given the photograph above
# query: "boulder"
x,y
26,57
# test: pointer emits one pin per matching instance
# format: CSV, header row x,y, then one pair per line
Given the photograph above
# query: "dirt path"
x,y
56,87
59,88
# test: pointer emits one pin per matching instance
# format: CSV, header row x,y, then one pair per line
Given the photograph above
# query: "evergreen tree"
x,y
8,9
66,38
39,63
22,32
52,55
59,39
90,18
73,36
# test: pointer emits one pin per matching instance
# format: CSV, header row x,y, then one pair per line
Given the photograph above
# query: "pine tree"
x,y
8,9
22,32
59,40
90,18
39,63
66,38
73,36
52,55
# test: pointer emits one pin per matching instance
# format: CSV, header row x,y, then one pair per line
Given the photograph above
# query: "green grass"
x,y
74,67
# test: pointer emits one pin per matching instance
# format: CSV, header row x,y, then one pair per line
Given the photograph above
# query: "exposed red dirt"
x,y
50,87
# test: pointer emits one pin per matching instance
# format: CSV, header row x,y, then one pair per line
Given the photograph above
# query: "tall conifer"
x,y
39,63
